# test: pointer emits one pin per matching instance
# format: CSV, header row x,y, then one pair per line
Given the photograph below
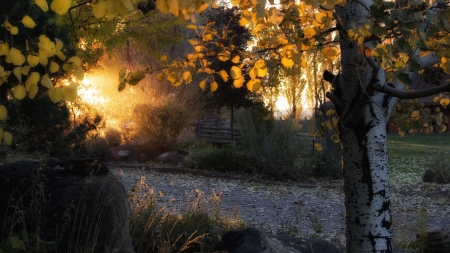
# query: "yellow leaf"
x,y
173,7
191,26
28,22
55,94
3,112
69,93
335,138
193,42
224,55
224,75
202,85
235,59
331,52
18,73
162,6
287,62
436,99
43,59
16,57
163,58
235,2
33,60
330,112
187,76
42,4
14,30
120,7
4,48
309,32
243,21
46,82
99,9
54,67
239,82
201,8
254,85
7,137
235,72
60,55
318,146
25,70
122,72
33,91
214,86
19,92
60,6
79,74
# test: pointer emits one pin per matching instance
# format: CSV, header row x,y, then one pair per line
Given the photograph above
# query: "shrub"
x,y
96,147
224,159
438,164
162,123
113,137
271,146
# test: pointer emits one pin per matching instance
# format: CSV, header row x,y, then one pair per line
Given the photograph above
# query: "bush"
x,y
162,123
113,137
223,159
271,146
323,164
439,165
96,147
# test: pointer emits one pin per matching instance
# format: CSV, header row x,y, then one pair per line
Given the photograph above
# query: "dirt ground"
x,y
310,210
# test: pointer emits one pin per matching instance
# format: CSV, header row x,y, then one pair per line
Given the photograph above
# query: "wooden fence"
x,y
217,131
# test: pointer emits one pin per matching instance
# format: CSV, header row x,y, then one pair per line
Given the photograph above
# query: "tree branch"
x,y
376,85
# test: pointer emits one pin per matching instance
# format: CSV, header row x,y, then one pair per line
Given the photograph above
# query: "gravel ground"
x,y
289,209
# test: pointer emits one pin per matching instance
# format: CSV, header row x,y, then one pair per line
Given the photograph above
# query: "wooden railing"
x,y
217,131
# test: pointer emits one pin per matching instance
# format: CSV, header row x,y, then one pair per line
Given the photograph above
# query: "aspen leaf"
x,y
16,57
243,21
330,112
139,75
187,76
148,70
43,59
201,8
120,7
33,91
214,86
33,60
46,82
99,9
122,72
436,99
18,73
60,55
254,85
173,7
235,59
25,70
163,58
79,74
60,6
239,82
224,55
444,102
4,49
202,85
55,95
235,2
235,72
42,4
193,42
3,112
309,32
69,93
54,67
34,78
162,6
287,62
335,138
331,53
19,92
318,146
7,137
224,75
28,22
14,30
121,86
191,26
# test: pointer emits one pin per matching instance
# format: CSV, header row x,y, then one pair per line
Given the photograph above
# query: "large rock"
x,y
175,157
74,209
253,240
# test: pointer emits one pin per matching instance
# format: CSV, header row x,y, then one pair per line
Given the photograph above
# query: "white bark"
x,y
363,119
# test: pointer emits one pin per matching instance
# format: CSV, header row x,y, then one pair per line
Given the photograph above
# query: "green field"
x,y
409,155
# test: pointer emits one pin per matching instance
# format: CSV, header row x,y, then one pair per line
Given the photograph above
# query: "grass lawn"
x,y
408,155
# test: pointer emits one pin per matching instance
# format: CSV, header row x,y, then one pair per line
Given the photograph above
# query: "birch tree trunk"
x,y
363,118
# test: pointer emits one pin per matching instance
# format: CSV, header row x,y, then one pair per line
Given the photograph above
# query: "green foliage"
x,y
223,159
271,146
439,164
155,229
162,123
323,164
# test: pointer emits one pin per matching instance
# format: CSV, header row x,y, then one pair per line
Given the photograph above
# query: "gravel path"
x,y
290,209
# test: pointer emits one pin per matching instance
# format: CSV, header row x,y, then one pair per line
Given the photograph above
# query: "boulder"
x,y
64,206
127,152
173,157
253,240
